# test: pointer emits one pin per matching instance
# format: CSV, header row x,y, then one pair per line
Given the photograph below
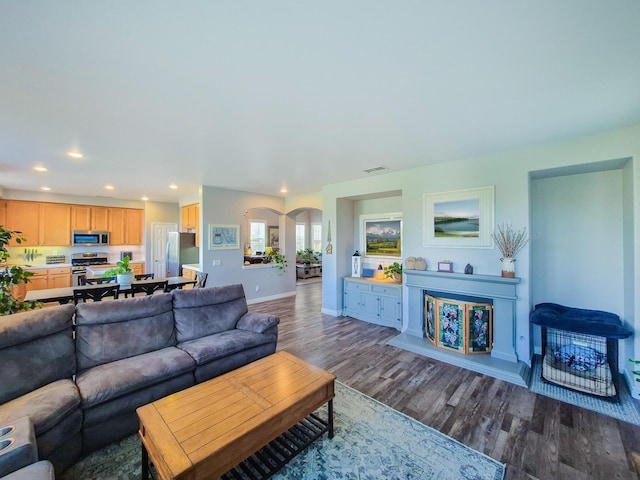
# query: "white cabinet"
x,y
373,301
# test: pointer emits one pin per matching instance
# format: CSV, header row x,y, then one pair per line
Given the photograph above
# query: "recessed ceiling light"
x,y
284,189
173,186
144,199
46,189
109,187
40,168
74,154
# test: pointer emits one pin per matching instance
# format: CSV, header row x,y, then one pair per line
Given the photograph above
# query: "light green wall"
x,y
509,172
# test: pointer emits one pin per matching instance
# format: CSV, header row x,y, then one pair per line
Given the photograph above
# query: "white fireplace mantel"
x,y
503,361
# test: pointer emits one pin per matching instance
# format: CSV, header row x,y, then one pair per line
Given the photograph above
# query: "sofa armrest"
x,y
257,322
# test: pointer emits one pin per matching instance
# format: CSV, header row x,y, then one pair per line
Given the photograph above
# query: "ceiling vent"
x,y
374,169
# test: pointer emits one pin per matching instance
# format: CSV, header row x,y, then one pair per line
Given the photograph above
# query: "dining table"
x,y
64,295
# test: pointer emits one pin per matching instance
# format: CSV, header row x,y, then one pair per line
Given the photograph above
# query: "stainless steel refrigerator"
x,y
181,250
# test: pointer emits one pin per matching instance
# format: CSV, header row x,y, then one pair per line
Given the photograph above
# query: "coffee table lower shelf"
x,y
270,459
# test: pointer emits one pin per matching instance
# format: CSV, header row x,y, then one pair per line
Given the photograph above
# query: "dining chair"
x,y
148,288
96,293
144,276
96,281
201,279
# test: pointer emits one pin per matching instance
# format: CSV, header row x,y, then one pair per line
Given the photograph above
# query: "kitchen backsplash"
x,y
38,255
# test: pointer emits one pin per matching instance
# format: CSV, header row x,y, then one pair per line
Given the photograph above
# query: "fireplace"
x,y
502,360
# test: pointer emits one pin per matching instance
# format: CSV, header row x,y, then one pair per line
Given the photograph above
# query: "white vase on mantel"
x,y
508,267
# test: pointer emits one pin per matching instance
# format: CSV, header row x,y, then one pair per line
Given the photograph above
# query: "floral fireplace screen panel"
x,y
451,325
461,326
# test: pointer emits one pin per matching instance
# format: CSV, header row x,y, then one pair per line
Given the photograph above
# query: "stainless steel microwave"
x,y
88,238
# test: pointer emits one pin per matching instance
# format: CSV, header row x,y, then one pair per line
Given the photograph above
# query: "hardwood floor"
x,y
535,436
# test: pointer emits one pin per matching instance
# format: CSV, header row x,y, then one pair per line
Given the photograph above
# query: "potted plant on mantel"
x,y
11,277
509,243
123,273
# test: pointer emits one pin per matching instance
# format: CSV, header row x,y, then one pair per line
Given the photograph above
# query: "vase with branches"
x,y
509,242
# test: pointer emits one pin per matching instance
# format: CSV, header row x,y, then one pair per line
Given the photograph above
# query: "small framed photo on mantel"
x,y
445,266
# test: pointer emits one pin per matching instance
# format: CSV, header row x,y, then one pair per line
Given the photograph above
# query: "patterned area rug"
x,y
626,410
372,441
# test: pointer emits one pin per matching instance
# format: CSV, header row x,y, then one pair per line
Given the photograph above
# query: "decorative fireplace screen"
x,y
458,325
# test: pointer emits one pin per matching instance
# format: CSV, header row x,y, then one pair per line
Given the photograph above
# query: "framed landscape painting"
x,y
381,235
461,218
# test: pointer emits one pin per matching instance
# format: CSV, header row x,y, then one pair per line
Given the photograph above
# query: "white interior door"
x,y
159,251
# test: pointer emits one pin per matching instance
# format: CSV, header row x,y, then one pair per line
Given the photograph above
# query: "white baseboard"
x,y
333,313
271,297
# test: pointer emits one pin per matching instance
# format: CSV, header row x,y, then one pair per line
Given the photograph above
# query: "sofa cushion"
x,y
257,322
111,331
223,344
112,380
36,348
46,406
205,311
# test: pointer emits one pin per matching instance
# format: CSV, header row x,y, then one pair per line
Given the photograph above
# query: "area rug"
x,y
372,441
626,410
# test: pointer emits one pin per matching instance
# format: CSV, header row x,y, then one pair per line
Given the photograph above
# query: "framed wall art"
x,y
224,236
274,237
381,235
461,218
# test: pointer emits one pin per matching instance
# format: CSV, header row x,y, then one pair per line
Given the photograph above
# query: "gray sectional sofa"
x,y
81,393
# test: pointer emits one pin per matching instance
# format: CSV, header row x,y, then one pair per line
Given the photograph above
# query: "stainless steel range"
x,y
80,261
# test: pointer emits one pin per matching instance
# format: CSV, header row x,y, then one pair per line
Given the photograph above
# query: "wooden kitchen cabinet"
x,y
138,268
125,226
41,224
86,217
55,224
58,277
23,217
3,213
191,220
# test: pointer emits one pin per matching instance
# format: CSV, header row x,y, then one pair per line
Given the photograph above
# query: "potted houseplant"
x,y
11,277
123,273
393,271
278,260
509,243
307,256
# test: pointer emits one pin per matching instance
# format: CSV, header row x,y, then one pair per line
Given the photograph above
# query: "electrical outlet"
x,y
257,288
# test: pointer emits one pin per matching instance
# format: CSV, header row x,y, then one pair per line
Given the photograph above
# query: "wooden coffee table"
x,y
206,430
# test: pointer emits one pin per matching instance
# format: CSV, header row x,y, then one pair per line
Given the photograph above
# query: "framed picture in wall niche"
x,y
274,237
381,235
460,218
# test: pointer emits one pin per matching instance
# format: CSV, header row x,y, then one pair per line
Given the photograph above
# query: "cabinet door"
x,y
59,280
3,213
371,305
39,280
80,217
23,217
55,224
138,268
196,222
352,302
391,311
133,227
116,226
99,218
185,217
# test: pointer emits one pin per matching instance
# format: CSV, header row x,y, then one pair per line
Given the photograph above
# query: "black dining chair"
x,y
96,293
201,279
96,281
144,276
148,288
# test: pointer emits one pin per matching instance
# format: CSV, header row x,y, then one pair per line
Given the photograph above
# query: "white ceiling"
x,y
252,95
